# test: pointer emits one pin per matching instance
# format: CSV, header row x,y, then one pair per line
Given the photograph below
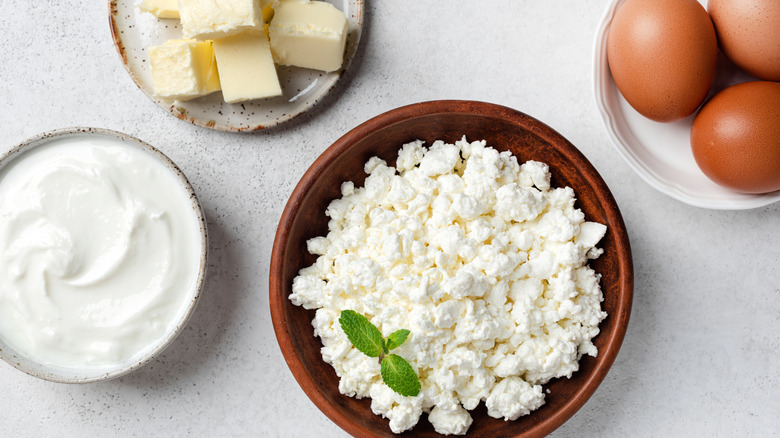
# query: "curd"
x,y
480,258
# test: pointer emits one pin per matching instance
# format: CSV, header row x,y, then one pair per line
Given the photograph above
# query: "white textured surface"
x,y
702,350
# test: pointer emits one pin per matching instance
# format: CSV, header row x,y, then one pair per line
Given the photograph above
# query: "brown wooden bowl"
x,y
503,129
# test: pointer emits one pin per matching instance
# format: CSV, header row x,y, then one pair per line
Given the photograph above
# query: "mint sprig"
x,y
396,371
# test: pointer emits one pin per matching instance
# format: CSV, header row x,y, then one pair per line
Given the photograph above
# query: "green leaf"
x,y
397,338
400,376
361,333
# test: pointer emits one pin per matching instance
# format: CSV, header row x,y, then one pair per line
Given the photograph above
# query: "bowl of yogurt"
x,y
103,249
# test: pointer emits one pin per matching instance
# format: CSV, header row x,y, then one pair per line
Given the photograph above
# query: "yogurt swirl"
x,y
99,252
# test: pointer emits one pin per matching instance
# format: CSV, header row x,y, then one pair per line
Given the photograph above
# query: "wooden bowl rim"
x,y
277,299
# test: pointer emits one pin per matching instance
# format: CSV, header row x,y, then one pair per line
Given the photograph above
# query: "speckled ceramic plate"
x,y
134,30
660,153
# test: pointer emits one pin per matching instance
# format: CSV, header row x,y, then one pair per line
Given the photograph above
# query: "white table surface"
x,y
702,350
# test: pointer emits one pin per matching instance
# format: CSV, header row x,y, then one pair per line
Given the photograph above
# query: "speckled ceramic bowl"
x,y
503,129
72,375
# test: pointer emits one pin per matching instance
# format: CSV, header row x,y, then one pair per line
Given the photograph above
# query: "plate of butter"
x,y
236,65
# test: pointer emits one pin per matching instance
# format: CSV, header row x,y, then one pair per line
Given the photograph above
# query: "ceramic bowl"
x,y
660,153
503,129
77,375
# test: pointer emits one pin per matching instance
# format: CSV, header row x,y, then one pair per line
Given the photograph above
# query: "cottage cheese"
x,y
480,258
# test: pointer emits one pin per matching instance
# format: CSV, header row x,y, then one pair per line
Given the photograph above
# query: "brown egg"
x,y
749,34
736,137
663,55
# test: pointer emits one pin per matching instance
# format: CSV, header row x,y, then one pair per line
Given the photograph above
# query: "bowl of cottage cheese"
x,y
103,249
483,233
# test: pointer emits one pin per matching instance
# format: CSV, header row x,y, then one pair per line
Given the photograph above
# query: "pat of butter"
x,y
161,8
212,19
309,34
183,69
246,67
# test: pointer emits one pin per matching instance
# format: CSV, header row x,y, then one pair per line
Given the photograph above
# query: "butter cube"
x,y
183,69
161,8
212,19
309,34
246,67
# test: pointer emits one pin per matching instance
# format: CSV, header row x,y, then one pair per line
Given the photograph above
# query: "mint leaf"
x,y
397,338
396,371
400,376
361,333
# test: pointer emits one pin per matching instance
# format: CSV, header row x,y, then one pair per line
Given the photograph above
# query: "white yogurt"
x,y
100,252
